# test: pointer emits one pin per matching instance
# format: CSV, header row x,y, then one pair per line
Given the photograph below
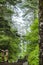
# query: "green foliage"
x,y
33,35
12,2
32,6
8,36
32,46
34,56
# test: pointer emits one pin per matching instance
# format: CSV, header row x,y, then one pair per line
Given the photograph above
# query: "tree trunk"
x,y
2,53
6,55
41,31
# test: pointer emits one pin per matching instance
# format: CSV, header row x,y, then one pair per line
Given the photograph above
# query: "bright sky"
x,y
19,21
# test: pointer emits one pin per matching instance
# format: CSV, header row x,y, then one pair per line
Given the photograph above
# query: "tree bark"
x,y
41,31
2,53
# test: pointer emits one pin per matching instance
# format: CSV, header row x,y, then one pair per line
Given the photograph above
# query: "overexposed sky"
x,y
21,23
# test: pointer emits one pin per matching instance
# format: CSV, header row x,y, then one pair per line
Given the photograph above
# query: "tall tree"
x,y
41,30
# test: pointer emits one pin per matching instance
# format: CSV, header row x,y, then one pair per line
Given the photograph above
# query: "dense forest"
x,y
19,30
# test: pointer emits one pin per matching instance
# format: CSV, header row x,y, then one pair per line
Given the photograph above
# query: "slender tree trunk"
x,y
6,55
2,53
41,31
